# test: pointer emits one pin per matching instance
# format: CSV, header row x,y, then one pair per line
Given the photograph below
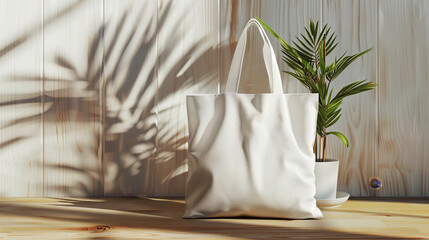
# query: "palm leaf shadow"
x,y
146,134
130,131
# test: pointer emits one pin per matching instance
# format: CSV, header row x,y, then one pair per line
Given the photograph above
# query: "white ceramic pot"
x,y
326,179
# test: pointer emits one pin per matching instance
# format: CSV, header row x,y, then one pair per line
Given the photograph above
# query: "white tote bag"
x,y
251,154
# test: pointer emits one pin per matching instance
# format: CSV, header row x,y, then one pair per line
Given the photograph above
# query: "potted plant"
x,y
306,59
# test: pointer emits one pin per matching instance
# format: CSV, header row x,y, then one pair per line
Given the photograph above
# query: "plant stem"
x,y
327,91
324,146
320,144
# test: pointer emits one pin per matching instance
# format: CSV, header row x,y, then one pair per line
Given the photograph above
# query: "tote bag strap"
x,y
269,59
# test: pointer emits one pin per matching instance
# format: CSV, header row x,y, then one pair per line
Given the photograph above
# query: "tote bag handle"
x,y
269,58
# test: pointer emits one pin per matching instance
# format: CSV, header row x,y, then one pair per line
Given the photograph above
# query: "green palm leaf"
x,y
306,58
341,137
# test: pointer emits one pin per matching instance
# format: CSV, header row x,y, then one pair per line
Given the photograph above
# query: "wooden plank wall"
x,y
403,111
188,58
92,96
353,22
21,166
72,125
130,117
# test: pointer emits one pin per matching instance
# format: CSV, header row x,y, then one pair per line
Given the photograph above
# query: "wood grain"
x,y
155,218
403,113
130,124
72,125
21,166
188,58
355,24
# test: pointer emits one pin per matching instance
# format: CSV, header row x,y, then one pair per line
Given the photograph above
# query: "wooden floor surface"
x,y
154,218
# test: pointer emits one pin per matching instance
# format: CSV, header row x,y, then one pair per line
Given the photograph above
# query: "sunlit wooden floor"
x,y
150,218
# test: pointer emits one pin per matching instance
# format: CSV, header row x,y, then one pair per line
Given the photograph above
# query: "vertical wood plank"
x,y
355,24
403,113
130,58
234,16
188,63
72,70
20,98
286,17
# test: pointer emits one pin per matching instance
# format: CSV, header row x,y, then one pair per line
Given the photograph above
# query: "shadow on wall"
x,y
142,153
119,93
